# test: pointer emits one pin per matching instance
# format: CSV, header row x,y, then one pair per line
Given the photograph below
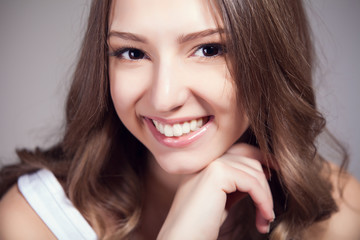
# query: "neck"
x,y
162,179
160,189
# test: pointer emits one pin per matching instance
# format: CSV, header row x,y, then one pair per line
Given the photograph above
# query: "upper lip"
x,y
175,120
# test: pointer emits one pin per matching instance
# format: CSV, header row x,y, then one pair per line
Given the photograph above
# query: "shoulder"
x,y
344,224
18,220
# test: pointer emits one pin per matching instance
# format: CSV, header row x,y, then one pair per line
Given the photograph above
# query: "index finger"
x,y
253,152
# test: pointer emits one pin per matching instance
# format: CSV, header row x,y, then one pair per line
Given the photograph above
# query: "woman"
x,y
185,120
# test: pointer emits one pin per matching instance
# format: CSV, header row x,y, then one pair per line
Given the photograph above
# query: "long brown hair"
x,y
271,57
269,50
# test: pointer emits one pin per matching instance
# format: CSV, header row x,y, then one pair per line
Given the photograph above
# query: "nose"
x,y
168,91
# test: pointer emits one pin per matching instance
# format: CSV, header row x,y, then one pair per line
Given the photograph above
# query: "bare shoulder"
x,y
18,220
344,224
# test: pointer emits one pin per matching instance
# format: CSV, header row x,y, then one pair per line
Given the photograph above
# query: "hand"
x,y
200,204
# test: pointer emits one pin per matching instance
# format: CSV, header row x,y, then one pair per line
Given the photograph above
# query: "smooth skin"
x,y
168,67
159,69
201,198
162,66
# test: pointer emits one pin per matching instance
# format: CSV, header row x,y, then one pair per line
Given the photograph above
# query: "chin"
x,y
180,170
182,164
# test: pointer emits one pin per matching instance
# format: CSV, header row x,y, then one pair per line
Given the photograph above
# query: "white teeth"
x,y
186,127
160,128
193,125
168,131
199,123
178,129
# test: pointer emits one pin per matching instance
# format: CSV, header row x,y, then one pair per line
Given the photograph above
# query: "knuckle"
x,y
254,181
257,183
257,165
259,176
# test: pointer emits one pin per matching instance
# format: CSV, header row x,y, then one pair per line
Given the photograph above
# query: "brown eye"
x,y
135,54
129,54
209,50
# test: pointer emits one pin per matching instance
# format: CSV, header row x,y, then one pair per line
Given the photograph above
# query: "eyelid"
x,y
221,45
118,51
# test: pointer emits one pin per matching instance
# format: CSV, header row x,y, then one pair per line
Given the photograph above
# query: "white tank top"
x,y
46,196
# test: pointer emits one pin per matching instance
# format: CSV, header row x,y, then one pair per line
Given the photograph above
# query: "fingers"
x,y
238,161
249,166
246,164
238,172
262,224
258,190
250,178
261,197
246,150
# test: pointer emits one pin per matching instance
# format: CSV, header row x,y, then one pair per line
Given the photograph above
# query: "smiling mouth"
x,y
180,129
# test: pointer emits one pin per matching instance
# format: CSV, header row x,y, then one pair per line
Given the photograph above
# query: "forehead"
x,y
162,15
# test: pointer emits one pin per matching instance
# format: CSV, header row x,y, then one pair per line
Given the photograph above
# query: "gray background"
x,y
39,41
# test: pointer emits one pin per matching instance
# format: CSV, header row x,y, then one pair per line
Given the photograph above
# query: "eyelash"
x,y
221,48
118,53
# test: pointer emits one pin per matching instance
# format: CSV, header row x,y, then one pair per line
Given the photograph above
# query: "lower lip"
x,y
178,142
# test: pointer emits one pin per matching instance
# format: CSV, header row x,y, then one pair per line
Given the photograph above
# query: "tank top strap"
x,y
46,196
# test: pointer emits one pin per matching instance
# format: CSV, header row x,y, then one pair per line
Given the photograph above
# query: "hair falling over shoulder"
x,y
272,63
99,170
270,55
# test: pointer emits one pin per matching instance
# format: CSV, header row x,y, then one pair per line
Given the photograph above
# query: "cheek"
x,y
215,86
222,91
126,87
219,95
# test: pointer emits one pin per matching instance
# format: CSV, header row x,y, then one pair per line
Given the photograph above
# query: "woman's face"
x,y
169,81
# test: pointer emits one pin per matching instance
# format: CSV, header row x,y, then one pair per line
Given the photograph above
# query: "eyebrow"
x,y
196,35
181,39
128,36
